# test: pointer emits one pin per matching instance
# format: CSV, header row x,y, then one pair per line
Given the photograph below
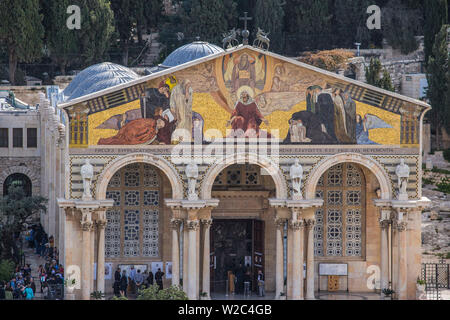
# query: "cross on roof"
x,y
245,18
245,32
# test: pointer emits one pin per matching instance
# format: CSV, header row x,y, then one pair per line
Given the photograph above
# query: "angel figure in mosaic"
x,y
364,125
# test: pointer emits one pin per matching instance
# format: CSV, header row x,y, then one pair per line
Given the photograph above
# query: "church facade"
x,y
244,159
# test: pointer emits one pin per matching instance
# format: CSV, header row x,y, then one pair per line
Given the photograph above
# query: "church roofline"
x,y
232,50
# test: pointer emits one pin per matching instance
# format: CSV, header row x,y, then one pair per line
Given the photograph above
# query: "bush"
x,y
444,186
447,154
153,293
119,298
6,270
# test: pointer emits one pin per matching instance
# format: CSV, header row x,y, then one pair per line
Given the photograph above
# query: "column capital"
x,y
296,224
175,223
384,224
280,223
101,224
206,222
310,223
193,225
401,226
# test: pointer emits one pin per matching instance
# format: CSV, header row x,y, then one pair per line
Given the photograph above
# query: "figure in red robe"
x,y
246,117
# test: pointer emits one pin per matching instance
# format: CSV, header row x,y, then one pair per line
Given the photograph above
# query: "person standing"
x,y
150,278
239,279
260,278
28,293
132,280
139,278
116,285
123,284
159,278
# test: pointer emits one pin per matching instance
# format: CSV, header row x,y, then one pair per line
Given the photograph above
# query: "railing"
x,y
436,277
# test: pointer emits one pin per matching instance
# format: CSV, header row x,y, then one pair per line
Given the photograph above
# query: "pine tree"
x,y
97,27
438,83
350,20
373,76
269,15
21,32
436,15
400,24
62,42
206,20
309,23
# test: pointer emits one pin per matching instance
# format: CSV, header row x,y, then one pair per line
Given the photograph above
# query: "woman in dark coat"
x,y
123,283
116,285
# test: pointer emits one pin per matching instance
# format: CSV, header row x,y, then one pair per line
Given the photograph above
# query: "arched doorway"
x,y
242,229
18,179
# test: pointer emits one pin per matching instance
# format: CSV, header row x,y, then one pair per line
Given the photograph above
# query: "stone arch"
x,y
264,162
35,188
160,163
365,161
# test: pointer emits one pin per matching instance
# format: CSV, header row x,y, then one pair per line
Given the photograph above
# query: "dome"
x,y
98,77
190,52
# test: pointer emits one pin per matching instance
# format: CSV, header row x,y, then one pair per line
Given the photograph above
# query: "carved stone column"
x,y
86,270
384,255
175,224
310,260
402,268
206,256
192,228
279,260
101,224
297,229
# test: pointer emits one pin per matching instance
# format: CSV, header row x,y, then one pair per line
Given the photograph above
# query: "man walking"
x,y
261,291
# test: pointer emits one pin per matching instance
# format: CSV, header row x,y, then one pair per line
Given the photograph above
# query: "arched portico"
x,y
271,167
160,163
23,170
365,161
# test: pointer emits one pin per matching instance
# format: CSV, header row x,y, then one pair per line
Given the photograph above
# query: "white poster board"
x,y
108,270
168,270
333,269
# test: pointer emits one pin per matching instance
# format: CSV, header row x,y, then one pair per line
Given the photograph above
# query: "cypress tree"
x,y
350,19
269,15
21,32
373,77
438,85
436,15
206,20
61,41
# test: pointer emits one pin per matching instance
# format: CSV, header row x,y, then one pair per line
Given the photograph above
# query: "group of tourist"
x,y
135,281
22,285
240,281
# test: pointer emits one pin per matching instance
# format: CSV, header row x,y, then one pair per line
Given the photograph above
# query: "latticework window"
x,y
339,223
239,176
133,221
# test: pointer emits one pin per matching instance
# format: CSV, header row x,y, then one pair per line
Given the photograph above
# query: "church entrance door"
x,y
237,252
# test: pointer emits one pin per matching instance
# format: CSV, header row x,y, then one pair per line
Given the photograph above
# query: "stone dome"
x,y
190,52
98,77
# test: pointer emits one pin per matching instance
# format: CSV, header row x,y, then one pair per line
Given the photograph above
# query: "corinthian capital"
x,y
310,223
279,223
296,224
193,225
175,223
207,222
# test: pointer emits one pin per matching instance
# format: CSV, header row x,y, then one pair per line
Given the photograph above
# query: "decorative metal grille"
x,y
133,222
338,230
239,175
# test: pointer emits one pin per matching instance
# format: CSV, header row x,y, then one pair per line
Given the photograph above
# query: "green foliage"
x,y
21,32
350,19
63,43
447,153
373,76
97,295
420,282
444,186
6,270
16,209
436,15
269,16
437,170
438,83
205,20
427,181
401,24
97,27
153,293
119,298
